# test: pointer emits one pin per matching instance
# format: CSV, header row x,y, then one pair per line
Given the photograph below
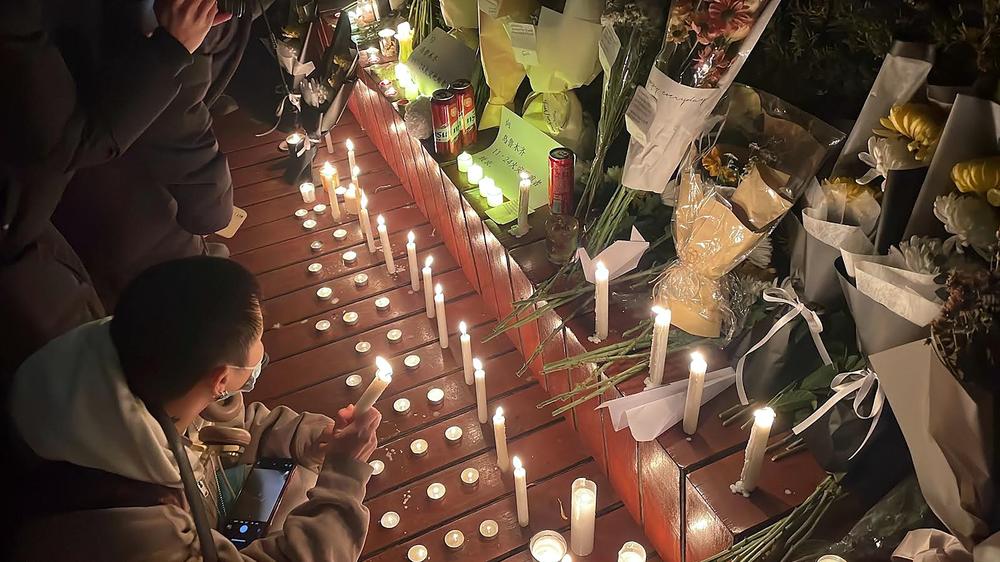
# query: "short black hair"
x,y
180,319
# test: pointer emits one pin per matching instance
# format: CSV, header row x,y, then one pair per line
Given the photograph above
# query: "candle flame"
x,y
364,200
294,138
477,364
328,169
384,369
764,417
600,269
498,417
410,237
524,175
516,461
438,290
380,220
350,145
356,171
698,362
428,262
567,558
403,28
462,327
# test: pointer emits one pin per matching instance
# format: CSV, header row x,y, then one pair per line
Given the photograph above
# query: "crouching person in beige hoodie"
x,y
105,485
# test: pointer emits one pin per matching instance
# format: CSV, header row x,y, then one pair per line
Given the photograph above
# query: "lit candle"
x,y
383,236
756,446
632,552
295,142
696,385
548,546
411,260
466,340
428,288
404,35
601,302
366,223
475,174
658,351
351,200
500,436
350,153
523,193
454,539
441,318
328,175
464,161
480,376
488,189
520,492
308,191
584,512
383,376
403,72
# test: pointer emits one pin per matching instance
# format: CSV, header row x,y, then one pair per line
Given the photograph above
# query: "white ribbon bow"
x,y
785,295
860,383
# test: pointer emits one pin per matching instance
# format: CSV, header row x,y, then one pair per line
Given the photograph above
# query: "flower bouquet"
x,y
738,182
705,44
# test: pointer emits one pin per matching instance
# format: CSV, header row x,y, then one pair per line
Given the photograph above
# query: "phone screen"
x,y
260,494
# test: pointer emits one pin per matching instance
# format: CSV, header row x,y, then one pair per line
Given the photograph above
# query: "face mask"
x,y
248,386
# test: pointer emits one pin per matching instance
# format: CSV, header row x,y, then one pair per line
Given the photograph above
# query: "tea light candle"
x,y
601,302
404,34
418,447
584,513
411,260
464,161
831,558
480,377
309,224
401,405
394,335
382,303
489,529
383,376
453,434
547,546
500,438
466,341
301,213
315,268
435,396
417,553
351,199
389,520
308,191
316,245
295,141
658,351
383,237
436,491
475,174
632,551
763,419
521,492
350,318
366,223
377,467
696,385
428,288
350,153
488,189
339,234
322,325
362,347
411,361
324,293
319,209
441,317
523,195
360,280
470,476
350,257
353,381
454,539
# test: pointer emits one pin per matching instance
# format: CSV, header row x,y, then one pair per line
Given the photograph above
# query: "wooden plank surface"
x,y
310,368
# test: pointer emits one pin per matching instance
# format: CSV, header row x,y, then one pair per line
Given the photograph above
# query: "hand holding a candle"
x,y
353,435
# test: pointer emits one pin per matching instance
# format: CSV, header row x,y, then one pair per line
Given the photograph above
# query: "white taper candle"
x,y
601,300
383,376
480,376
763,419
500,438
658,351
350,153
696,385
521,492
351,199
442,318
366,222
466,341
428,288
523,194
411,260
383,237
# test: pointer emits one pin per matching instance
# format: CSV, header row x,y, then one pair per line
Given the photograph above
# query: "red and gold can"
x,y
446,120
467,104
561,180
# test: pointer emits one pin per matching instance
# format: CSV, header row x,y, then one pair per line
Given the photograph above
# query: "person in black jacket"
x,y
68,105
172,188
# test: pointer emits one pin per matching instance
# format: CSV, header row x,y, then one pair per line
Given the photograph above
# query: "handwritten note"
x,y
608,48
640,113
439,60
523,42
518,146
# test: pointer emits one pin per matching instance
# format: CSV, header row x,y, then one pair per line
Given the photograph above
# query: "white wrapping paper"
x,y
651,412
566,46
908,294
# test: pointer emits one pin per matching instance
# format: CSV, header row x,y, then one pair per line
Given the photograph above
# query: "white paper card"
x,y
609,48
640,113
619,258
239,215
524,43
439,60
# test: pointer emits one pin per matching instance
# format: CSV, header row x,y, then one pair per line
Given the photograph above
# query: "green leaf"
x,y
793,400
819,379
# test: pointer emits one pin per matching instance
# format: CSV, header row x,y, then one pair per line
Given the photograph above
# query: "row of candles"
x,y
489,190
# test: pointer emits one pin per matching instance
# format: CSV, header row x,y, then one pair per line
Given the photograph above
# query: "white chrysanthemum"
x,y
970,219
922,254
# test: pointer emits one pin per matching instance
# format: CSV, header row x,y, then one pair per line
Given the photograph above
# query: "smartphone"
x,y
254,508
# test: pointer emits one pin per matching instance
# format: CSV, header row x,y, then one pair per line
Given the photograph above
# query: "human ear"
x,y
219,380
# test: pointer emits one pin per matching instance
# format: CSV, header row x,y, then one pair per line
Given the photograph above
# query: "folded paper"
x,y
620,257
439,60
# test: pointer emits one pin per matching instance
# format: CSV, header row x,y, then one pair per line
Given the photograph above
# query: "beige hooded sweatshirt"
x,y
70,403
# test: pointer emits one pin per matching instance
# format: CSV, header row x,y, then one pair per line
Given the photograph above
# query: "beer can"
x,y
561,180
446,123
467,104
